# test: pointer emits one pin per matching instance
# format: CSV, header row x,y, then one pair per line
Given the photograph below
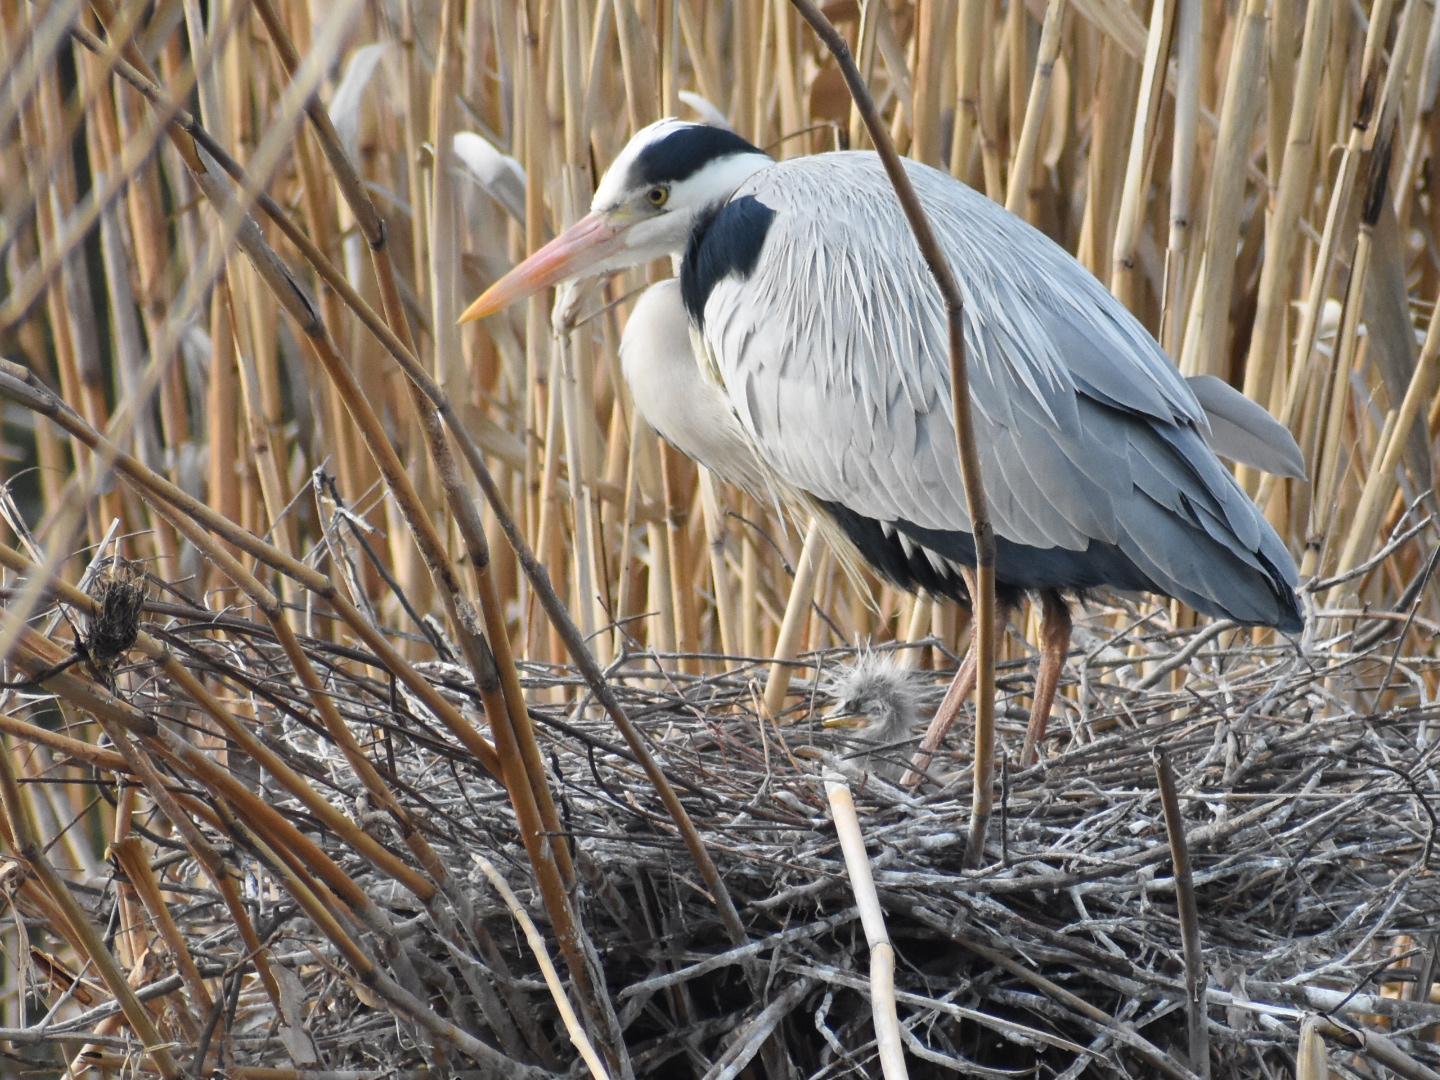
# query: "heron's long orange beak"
x,y
569,255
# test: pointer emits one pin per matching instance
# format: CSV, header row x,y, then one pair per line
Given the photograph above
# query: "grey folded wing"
x,y
1242,430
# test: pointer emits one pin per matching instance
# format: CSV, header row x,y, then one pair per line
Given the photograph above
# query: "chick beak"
x,y
569,255
845,720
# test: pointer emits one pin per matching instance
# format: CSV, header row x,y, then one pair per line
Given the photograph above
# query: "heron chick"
x,y
880,701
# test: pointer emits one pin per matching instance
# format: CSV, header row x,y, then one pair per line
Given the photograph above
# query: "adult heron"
x,y
803,351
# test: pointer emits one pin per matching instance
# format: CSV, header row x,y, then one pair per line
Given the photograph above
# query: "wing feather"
x,y
835,356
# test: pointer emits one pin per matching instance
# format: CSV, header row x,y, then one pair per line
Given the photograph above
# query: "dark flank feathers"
x,y
685,151
910,571
1019,567
726,241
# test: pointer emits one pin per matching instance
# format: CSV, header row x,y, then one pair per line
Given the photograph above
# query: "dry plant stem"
x,y
984,536
797,611
271,833
1184,656
1123,1032
474,537
383,986
462,507
1188,19
716,535
130,852
1019,1034
1022,165
69,519
269,607
1195,979
1287,204
19,385
92,756
117,1064
205,855
755,1036
1209,317
1381,144
287,840
1377,1047
87,695
299,307
552,977
1342,189
882,953
584,659
291,844
509,78
360,840
1380,485
1130,218
165,347
79,226
1311,1060
29,851
37,41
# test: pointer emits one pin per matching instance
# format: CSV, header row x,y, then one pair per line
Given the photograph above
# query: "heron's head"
x,y
644,208
875,696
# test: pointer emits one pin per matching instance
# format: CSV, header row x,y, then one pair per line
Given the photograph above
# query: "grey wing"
x,y
834,355
1244,431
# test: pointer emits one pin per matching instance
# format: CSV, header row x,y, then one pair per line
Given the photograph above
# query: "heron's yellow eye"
x,y
656,196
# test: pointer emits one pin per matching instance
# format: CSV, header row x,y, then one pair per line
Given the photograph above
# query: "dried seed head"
x,y
119,590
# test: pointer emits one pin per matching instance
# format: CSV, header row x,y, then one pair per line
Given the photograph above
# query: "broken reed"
x,y
1254,183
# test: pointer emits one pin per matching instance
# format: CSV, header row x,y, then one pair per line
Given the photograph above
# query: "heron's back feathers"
x,y
832,346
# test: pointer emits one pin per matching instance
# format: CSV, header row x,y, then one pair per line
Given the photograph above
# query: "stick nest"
x,y
1309,814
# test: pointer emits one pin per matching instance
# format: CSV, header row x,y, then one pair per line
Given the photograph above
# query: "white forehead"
x,y
619,177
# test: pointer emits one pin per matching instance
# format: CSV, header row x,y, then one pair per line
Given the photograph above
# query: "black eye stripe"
x,y
684,151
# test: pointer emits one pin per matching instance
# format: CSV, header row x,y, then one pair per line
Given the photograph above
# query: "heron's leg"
x,y
961,687
1055,636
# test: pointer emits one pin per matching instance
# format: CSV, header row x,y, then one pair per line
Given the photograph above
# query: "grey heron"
x,y
880,702
802,350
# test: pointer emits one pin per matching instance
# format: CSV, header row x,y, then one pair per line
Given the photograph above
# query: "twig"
x,y
552,977
1376,1046
984,536
807,567
1183,657
1195,1013
750,1038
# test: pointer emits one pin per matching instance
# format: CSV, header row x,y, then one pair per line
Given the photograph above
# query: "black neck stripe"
x,y
726,242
